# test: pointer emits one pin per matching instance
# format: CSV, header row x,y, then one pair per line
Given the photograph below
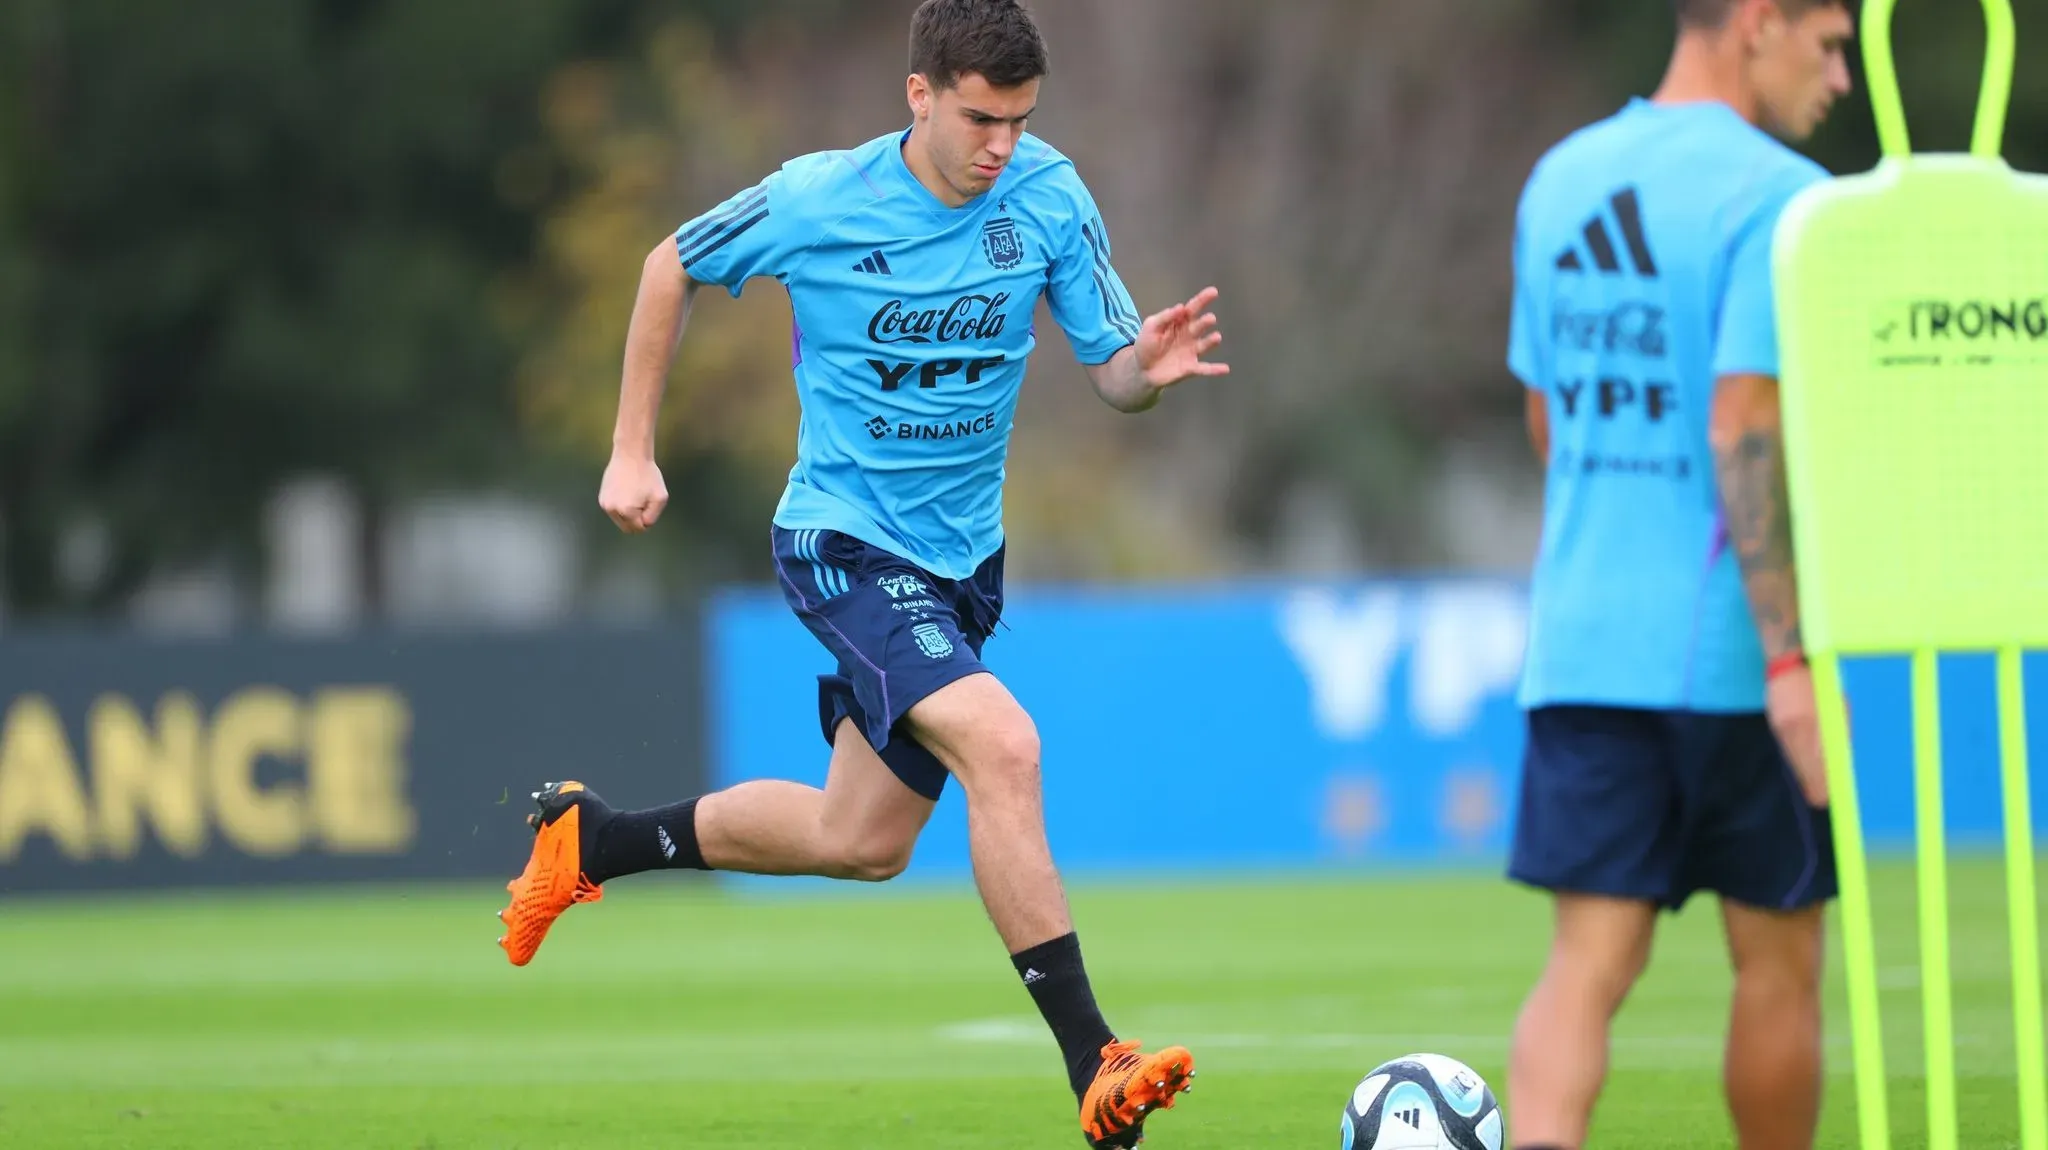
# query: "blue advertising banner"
x,y
1286,726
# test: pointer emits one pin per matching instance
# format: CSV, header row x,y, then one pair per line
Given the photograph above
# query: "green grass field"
x,y
678,1015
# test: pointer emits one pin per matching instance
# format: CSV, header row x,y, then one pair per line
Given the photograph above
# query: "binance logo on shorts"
x,y
877,427
932,641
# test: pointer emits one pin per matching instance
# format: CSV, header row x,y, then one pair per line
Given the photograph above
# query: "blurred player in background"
x,y
913,264
1672,745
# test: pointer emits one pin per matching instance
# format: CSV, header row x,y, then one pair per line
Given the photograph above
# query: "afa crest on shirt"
x,y
999,241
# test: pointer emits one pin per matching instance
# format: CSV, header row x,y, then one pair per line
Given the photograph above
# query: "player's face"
x,y
971,129
1800,67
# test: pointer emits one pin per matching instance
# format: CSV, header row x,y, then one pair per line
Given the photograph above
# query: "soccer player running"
x,y
1671,742
913,264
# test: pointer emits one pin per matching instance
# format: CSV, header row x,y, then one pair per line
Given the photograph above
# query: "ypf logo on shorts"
x,y
901,586
932,641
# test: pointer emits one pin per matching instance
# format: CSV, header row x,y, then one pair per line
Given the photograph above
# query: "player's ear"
x,y
919,93
1760,23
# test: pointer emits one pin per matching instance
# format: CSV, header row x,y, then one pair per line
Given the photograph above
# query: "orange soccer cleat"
x,y
553,880
1129,1088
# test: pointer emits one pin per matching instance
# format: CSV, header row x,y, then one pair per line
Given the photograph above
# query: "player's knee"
x,y
1778,956
1604,966
877,863
1604,977
1006,759
868,859
1789,978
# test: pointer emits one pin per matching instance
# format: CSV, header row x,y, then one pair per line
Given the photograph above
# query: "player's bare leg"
x,y
1773,1068
977,729
862,825
1559,1060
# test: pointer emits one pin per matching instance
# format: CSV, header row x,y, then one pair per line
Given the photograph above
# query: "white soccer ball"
x,y
1422,1102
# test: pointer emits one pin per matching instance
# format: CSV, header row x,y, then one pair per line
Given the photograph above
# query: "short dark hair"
x,y
994,39
1714,13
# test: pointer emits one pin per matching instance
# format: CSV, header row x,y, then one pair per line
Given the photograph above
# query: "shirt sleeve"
x,y
746,236
1746,340
1086,296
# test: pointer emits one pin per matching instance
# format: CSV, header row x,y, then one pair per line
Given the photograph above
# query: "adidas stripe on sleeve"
x,y
737,240
1087,297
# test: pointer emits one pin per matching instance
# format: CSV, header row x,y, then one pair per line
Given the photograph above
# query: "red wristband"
x,y
1789,661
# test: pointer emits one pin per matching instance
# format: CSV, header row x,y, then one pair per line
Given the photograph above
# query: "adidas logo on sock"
x,y
1031,975
668,845
1628,212
876,264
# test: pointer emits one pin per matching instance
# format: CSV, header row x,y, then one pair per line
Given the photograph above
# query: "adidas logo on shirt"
x,y
1599,241
876,264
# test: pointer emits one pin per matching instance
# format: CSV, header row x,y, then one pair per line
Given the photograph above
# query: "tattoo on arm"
x,y
1749,461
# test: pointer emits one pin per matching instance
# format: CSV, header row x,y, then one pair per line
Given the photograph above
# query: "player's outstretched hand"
x,y
1789,702
1172,343
632,493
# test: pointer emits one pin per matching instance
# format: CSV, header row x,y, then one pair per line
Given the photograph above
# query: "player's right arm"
x,y
632,492
1746,433
750,234
1536,413
1527,360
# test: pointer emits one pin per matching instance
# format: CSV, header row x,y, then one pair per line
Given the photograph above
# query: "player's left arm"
x,y
1169,349
1130,361
1746,432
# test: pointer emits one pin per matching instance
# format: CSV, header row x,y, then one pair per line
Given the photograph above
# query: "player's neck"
x,y
918,158
1702,71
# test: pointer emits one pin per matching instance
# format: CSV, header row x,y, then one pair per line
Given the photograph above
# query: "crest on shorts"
x,y
901,586
1000,242
932,641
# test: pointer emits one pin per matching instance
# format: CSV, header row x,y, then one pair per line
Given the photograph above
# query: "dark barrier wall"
x,y
129,763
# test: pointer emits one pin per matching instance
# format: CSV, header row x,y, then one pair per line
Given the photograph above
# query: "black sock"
x,y
1058,983
660,838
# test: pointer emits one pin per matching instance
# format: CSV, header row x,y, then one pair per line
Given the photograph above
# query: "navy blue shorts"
x,y
898,631
1657,805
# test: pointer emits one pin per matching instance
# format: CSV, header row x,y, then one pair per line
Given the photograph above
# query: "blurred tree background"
x,y
395,244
